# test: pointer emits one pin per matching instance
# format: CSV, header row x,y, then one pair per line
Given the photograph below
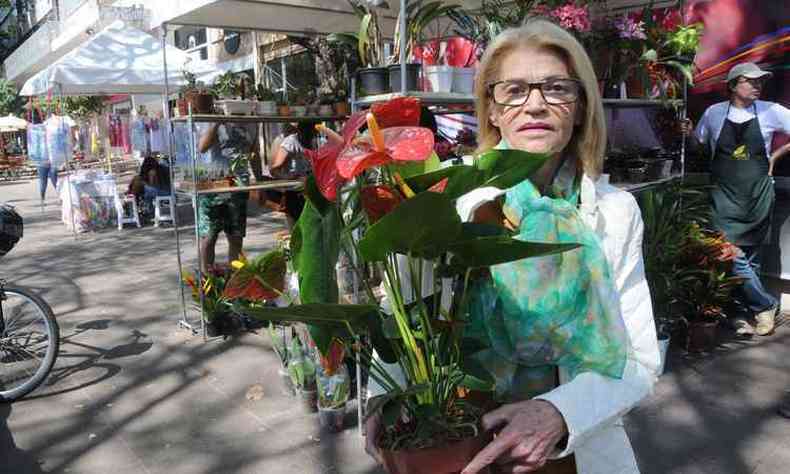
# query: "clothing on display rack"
x,y
139,135
37,143
157,131
58,139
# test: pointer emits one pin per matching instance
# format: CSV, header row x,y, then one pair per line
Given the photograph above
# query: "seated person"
x,y
152,181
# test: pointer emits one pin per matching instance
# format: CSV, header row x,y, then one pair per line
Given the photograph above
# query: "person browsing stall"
x,y
571,336
738,134
290,162
225,212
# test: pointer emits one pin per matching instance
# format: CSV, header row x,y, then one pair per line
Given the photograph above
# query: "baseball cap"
x,y
747,70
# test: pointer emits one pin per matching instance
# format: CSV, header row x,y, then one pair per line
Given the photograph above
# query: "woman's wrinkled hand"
x,y
372,426
526,434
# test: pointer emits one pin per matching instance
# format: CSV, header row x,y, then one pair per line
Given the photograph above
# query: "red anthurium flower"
x,y
379,201
384,146
334,357
398,112
323,160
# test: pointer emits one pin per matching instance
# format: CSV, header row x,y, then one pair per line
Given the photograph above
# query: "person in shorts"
x,y
225,212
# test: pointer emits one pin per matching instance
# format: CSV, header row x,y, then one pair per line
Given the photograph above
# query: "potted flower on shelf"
x,y
341,107
405,225
672,60
301,98
194,94
704,284
232,89
283,109
325,108
267,104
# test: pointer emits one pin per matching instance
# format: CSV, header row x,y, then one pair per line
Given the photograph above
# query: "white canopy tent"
x,y
9,123
118,60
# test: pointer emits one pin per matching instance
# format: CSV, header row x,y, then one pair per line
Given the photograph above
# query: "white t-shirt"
x,y
60,145
773,118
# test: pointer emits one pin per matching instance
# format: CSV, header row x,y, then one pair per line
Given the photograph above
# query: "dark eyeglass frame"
x,y
536,85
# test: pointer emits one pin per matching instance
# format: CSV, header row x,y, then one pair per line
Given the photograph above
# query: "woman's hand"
x,y
372,426
528,433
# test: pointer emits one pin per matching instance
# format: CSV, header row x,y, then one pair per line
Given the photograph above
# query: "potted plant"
x,y
231,88
302,370
704,284
194,94
325,108
439,75
334,386
368,41
670,60
267,104
283,109
404,225
299,101
280,347
341,106
216,308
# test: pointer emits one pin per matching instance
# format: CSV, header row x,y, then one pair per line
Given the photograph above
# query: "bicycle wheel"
x,y
29,338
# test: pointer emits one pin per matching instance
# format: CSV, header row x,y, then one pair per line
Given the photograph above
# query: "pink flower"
x,y
571,17
629,28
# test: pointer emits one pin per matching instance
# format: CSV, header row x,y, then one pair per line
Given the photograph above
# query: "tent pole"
x,y
402,59
172,162
68,178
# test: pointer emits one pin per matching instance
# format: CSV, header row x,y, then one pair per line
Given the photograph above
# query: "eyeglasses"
x,y
514,93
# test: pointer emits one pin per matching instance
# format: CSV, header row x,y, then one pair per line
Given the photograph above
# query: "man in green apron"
x,y
738,134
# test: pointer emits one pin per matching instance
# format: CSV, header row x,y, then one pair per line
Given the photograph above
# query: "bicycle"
x,y
29,333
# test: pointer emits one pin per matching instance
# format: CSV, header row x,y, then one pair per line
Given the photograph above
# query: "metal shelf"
x,y
641,103
427,98
217,118
636,187
277,184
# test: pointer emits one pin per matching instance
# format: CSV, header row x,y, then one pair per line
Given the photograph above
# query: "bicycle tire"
x,y
52,333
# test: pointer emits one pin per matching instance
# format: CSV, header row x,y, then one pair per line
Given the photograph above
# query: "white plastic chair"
x,y
163,210
126,208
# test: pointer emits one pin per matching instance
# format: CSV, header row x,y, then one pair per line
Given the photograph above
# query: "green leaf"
x,y
423,226
649,55
476,376
316,313
488,251
499,168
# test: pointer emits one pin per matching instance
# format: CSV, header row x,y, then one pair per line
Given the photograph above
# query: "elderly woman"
x,y
573,343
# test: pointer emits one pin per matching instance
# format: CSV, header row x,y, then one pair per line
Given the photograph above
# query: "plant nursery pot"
x,y
266,107
236,107
283,110
658,168
613,90
287,383
701,336
440,78
637,174
635,87
464,80
298,110
331,419
374,80
201,103
214,328
448,459
412,77
309,400
182,107
325,110
663,348
342,109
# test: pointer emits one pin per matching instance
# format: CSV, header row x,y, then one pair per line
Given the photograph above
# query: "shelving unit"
x,y
193,191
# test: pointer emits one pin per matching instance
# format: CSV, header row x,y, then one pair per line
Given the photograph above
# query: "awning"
x,y
118,60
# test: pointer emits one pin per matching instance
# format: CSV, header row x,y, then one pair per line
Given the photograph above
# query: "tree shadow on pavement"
x,y
13,459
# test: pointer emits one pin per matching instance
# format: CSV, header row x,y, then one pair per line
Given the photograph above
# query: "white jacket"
x,y
592,404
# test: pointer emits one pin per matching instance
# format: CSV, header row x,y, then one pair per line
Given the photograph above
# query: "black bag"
x,y
10,228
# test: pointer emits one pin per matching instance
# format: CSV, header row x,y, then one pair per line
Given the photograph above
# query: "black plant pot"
x,y
611,90
412,77
373,80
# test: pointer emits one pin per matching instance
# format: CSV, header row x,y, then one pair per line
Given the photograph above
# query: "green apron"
x,y
743,193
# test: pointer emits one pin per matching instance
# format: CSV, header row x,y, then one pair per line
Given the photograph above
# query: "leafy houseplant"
x,y
705,283
196,94
369,44
216,306
302,370
409,230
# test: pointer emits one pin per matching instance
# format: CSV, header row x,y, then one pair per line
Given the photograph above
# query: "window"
x,y
193,40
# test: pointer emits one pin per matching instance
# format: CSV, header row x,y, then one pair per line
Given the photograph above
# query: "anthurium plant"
x,y
375,196
215,302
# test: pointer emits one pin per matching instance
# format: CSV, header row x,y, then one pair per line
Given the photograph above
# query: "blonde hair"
x,y
589,138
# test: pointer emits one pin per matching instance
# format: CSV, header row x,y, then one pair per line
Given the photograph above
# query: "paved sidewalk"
x,y
133,393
